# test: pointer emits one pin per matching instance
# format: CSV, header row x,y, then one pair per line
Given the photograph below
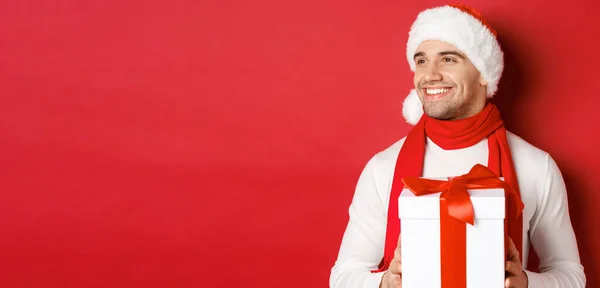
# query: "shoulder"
x,y
526,154
532,164
385,159
380,167
379,170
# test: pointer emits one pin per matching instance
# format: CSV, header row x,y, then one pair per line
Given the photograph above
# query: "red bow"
x,y
455,192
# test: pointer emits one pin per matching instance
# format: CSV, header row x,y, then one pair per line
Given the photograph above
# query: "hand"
x,y
392,278
515,276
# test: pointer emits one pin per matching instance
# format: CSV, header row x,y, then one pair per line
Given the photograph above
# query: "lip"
x,y
436,96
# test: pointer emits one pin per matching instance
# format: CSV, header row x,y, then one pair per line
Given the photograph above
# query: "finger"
x,y
395,281
398,250
510,282
512,269
398,253
396,266
512,253
397,270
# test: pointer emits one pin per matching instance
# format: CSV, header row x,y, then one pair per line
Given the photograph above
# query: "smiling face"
x,y
448,84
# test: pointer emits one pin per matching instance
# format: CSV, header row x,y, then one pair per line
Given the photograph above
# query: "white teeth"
x,y
436,91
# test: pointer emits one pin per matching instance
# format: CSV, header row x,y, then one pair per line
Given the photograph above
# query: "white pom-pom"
x,y
412,109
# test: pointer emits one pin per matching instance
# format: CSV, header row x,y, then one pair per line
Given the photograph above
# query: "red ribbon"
x,y
456,209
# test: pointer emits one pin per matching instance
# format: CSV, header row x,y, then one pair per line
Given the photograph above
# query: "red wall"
x,y
217,143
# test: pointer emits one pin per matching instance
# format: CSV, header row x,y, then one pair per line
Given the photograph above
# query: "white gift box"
x,y
420,239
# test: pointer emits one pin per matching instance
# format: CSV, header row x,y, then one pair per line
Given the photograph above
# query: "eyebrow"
x,y
443,53
455,53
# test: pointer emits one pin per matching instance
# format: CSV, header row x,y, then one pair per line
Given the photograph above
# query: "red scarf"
x,y
451,135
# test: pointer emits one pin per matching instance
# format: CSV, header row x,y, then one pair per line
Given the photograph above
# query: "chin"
x,y
441,113
441,117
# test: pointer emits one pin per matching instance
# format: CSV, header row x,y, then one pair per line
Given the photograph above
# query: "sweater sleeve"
x,y
552,237
362,245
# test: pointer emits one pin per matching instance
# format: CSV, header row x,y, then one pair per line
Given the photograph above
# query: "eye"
x,y
420,61
448,60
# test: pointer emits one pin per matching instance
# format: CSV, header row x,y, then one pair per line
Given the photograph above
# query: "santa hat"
x,y
464,28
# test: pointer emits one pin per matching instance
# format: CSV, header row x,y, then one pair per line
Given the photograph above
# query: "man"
x,y
457,64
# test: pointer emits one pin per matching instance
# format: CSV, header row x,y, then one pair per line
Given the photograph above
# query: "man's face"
x,y
448,84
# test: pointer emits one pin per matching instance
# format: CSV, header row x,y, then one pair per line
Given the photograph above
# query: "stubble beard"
x,y
443,109
446,108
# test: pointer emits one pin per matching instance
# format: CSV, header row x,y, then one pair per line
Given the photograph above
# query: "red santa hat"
x,y
464,28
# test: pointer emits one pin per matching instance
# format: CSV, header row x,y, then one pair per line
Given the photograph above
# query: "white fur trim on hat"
x,y
412,108
467,34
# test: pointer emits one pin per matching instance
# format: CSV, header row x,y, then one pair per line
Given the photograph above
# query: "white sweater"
x,y
546,217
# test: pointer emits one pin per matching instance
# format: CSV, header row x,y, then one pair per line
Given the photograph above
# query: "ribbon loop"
x,y
454,191
459,202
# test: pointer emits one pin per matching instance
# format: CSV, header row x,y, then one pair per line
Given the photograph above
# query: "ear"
x,y
482,81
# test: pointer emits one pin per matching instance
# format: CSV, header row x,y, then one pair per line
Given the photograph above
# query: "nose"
x,y
432,73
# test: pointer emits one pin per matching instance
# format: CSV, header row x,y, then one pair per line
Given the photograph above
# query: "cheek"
x,y
417,78
472,76
458,78
470,82
450,75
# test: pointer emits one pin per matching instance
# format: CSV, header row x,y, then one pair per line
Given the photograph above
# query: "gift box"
x,y
439,250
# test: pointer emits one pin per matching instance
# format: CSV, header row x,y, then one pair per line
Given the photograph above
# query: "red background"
x,y
217,143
